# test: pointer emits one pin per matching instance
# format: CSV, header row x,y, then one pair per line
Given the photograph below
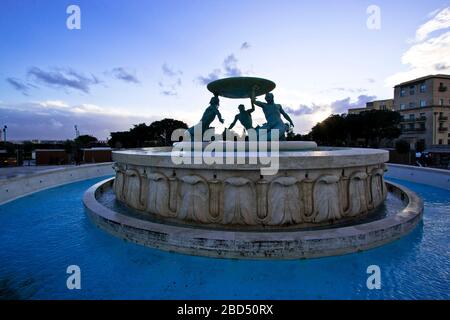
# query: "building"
x,y
97,155
386,104
424,105
51,157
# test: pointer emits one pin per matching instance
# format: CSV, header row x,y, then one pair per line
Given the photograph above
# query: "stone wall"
x,y
13,188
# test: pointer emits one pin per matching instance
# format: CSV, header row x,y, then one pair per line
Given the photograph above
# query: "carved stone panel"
x,y
326,199
239,202
357,194
193,201
285,205
158,194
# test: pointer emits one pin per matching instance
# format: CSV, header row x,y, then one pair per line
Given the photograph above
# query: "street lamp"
x,y
4,132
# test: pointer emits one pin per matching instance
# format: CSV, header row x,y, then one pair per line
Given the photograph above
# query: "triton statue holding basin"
x,y
319,201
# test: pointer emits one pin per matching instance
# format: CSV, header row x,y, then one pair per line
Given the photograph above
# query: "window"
x,y
422,126
402,92
440,141
411,116
411,126
423,103
412,90
383,107
423,88
402,106
441,102
412,104
448,141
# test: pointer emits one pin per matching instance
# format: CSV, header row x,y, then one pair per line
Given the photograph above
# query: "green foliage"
x,y
365,129
85,140
157,133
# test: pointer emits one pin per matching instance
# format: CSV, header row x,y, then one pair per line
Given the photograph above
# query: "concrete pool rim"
x,y
298,244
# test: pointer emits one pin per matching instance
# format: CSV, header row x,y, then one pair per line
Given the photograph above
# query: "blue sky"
x,y
137,61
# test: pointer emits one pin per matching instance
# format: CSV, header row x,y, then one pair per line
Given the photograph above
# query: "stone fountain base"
x,y
284,244
310,188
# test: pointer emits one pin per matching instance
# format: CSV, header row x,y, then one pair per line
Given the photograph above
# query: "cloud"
x,y
125,75
55,120
304,110
172,82
245,45
350,90
229,69
20,85
213,75
337,106
440,20
428,54
170,72
230,66
63,78
342,106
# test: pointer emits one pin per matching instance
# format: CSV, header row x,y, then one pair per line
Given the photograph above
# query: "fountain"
x,y
261,197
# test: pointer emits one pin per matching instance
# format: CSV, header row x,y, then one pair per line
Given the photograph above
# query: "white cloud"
x,y
55,120
440,20
429,55
53,104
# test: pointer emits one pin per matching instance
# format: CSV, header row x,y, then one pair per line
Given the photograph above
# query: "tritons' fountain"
x,y
259,197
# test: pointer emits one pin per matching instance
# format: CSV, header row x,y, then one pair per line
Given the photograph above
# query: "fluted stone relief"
x,y
118,182
377,187
158,194
239,202
194,199
132,189
326,199
297,199
285,205
357,194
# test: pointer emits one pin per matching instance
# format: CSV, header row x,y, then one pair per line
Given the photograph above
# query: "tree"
x,y
157,133
161,131
85,140
367,128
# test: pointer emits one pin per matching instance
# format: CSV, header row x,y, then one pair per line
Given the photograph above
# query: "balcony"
x,y
409,120
442,129
413,130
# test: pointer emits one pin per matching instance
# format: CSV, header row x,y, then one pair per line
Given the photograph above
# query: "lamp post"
x,y
4,133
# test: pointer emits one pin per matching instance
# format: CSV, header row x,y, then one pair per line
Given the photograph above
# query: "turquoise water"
x,y
42,234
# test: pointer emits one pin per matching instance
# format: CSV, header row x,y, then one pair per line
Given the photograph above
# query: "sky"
x,y
135,61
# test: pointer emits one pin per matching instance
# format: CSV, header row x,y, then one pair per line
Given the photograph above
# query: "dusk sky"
x,y
137,61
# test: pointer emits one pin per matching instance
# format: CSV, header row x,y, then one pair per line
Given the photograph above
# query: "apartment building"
x,y
386,104
424,105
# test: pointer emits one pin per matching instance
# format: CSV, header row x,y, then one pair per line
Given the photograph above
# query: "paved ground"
x,y
10,172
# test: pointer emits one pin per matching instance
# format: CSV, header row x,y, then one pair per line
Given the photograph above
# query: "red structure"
x,y
51,157
97,155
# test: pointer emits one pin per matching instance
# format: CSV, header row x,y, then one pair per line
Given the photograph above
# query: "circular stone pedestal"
x,y
297,189
286,244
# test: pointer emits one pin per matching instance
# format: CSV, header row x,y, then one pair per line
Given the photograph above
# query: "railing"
x,y
443,129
